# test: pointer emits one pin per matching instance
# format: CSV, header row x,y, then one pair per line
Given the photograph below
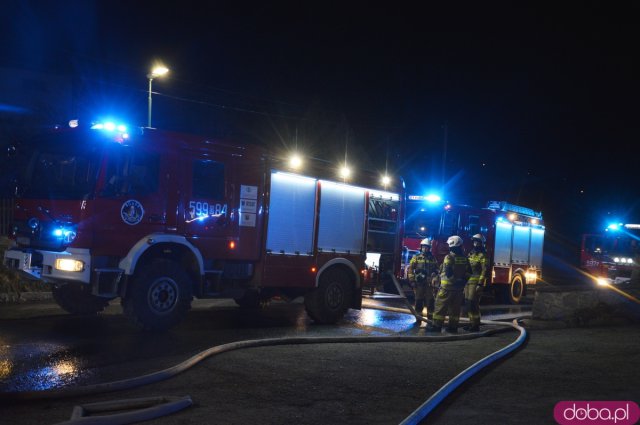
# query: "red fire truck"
x,y
514,239
156,218
611,256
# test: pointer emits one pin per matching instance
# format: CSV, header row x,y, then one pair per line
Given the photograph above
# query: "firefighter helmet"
x,y
454,241
425,241
478,237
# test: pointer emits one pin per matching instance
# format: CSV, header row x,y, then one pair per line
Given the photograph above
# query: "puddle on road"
x,y
39,366
386,322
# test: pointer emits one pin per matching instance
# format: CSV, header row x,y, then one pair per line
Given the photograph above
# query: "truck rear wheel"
x,y
159,297
331,299
516,289
78,300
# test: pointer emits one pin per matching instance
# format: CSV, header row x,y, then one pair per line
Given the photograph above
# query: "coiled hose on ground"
x,y
419,414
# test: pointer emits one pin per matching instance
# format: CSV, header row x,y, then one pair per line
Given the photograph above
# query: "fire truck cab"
x,y
514,240
611,256
156,218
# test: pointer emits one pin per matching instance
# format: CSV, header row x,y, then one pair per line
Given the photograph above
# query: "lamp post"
x,y
157,71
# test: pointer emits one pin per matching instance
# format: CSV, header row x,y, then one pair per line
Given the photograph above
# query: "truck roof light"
x,y
345,171
295,161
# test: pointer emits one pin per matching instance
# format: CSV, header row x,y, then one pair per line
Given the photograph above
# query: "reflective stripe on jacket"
x,y
422,264
478,262
456,271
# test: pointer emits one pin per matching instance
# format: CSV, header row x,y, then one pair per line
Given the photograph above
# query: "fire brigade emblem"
x,y
132,212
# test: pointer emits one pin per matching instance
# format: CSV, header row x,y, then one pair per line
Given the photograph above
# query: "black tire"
x,y
78,300
516,289
331,299
159,296
251,300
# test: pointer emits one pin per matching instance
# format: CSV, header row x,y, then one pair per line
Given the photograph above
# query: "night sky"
x,y
539,100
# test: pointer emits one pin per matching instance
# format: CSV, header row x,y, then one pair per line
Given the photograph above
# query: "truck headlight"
x,y
69,265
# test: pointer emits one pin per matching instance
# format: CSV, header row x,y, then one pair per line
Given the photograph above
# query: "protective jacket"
x,y
478,261
455,272
422,267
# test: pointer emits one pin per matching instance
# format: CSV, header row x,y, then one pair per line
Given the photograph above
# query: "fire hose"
x,y
415,417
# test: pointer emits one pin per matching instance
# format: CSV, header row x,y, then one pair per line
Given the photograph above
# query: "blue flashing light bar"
x,y
109,126
432,197
119,131
505,206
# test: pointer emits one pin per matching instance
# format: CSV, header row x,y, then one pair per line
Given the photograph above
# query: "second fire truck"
x,y
514,239
611,256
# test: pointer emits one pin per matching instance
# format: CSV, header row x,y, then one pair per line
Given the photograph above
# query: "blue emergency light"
x,y
614,227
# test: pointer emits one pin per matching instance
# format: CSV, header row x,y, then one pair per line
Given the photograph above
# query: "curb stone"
x,y
24,297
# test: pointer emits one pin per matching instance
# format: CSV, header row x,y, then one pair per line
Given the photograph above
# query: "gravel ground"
x,y
382,383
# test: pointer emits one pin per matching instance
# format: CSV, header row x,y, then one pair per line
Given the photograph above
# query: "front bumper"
x,y
41,265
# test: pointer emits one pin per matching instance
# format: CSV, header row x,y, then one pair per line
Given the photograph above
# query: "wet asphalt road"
x,y
42,347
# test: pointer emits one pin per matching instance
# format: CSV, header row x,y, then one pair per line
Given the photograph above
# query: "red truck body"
x,y
158,217
514,240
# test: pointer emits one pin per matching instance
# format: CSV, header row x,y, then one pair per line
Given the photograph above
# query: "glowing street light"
x,y
157,71
295,161
345,172
386,180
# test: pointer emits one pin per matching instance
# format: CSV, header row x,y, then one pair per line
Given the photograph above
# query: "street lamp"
x,y
157,71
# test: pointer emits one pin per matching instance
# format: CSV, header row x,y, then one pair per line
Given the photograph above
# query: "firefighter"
x,y
454,274
422,269
476,283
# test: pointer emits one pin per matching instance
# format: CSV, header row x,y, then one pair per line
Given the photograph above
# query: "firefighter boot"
x,y
419,307
452,327
474,323
430,308
436,327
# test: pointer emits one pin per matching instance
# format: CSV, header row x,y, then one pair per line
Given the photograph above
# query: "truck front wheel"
x,y
78,300
159,297
331,299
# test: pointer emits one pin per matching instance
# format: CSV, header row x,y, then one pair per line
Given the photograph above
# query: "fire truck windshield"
x,y
627,244
61,166
422,222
